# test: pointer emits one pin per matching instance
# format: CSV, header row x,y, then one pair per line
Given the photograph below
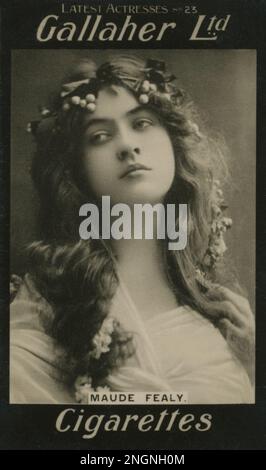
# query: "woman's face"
x,y
127,153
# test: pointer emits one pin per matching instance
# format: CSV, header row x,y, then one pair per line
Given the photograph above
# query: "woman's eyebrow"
x,y
98,121
108,120
136,110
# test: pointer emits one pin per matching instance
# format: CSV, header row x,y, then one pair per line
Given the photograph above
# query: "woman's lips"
x,y
134,169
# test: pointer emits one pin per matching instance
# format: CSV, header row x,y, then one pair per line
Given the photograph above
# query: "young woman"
x,y
128,314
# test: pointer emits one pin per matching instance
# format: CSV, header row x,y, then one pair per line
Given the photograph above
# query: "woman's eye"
x,y
99,138
143,123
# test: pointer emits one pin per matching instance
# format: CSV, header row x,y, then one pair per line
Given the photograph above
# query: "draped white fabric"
x,y
177,350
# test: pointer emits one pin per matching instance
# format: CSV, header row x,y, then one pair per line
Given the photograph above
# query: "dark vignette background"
x,y
223,86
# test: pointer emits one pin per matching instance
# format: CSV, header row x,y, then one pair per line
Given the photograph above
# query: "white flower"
x,y
102,389
81,381
103,338
83,388
216,210
82,393
219,246
227,222
108,325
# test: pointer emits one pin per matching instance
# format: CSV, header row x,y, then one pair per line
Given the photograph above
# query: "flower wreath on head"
x,y
83,93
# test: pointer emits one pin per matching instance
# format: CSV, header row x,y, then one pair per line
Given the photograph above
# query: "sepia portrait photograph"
x,y
133,226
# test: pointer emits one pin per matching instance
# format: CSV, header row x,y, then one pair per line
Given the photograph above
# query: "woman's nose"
x,y
128,147
128,152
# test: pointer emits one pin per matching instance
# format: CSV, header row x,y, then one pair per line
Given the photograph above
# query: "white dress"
x,y
178,350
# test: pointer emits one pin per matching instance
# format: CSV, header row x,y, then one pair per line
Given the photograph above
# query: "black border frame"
x,y
233,426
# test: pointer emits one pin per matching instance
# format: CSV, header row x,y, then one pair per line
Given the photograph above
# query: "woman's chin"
x,y
139,199
139,195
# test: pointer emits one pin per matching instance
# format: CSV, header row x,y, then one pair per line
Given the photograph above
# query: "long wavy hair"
x,y
79,278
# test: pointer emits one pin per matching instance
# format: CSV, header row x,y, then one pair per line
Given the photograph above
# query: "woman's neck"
x,y
141,268
138,255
